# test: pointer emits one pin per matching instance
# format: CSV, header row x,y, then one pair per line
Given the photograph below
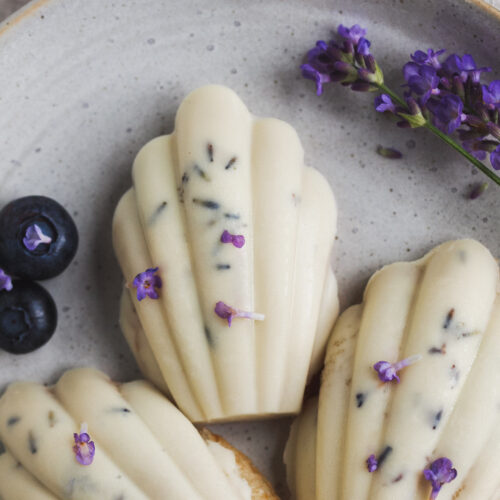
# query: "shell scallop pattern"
x,y
223,169
145,447
446,308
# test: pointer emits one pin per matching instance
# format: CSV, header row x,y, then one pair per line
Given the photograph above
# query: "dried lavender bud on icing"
x,y
227,312
147,284
238,240
440,471
371,463
84,448
389,371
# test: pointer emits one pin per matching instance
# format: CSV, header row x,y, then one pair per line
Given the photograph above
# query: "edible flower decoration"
x,y
371,463
238,240
440,471
389,371
84,448
34,237
227,312
5,281
443,95
147,284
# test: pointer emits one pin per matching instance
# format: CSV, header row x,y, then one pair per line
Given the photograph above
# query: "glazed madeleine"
x,y
409,400
224,241
90,438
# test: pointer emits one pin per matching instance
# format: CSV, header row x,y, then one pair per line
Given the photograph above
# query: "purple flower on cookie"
x,y
440,471
84,448
238,240
389,371
227,312
147,284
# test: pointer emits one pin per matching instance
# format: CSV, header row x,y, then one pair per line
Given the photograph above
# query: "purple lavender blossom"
x,y
421,79
441,471
384,103
312,73
34,237
227,312
491,94
447,111
371,463
473,147
238,240
84,448
389,371
353,34
430,58
363,47
464,66
5,281
495,158
146,283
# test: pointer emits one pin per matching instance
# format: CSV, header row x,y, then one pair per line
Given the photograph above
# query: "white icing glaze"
x,y
145,447
227,462
223,169
444,307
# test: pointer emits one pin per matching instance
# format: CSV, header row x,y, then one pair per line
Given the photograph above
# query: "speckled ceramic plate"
x,y
84,84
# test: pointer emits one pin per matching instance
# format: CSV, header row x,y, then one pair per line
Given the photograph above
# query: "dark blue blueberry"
x,y
48,259
28,317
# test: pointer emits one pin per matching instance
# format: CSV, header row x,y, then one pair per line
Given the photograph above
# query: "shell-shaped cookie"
x,y
145,448
442,312
223,169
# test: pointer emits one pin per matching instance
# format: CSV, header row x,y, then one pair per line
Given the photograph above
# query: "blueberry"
x,y
47,259
28,317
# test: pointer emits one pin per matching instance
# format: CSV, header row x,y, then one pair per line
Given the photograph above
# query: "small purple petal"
x,y
421,79
495,158
363,47
430,58
371,463
384,103
388,371
491,94
238,240
472,146
448,112
441,471
226,237
352,34
5,281
84,448
34,237
224,311
227,312
147,284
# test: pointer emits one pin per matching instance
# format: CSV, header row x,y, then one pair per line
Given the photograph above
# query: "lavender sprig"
x,y
446,97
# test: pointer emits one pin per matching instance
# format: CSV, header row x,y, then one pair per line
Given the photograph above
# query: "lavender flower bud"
x,y
494,130
363,87
459,87
478,190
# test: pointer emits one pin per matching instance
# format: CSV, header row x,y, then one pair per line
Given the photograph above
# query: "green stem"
x,y
446,138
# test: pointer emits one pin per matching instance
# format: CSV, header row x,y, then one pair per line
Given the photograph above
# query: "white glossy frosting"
x,y
224,169
227,462
444,307
145,447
